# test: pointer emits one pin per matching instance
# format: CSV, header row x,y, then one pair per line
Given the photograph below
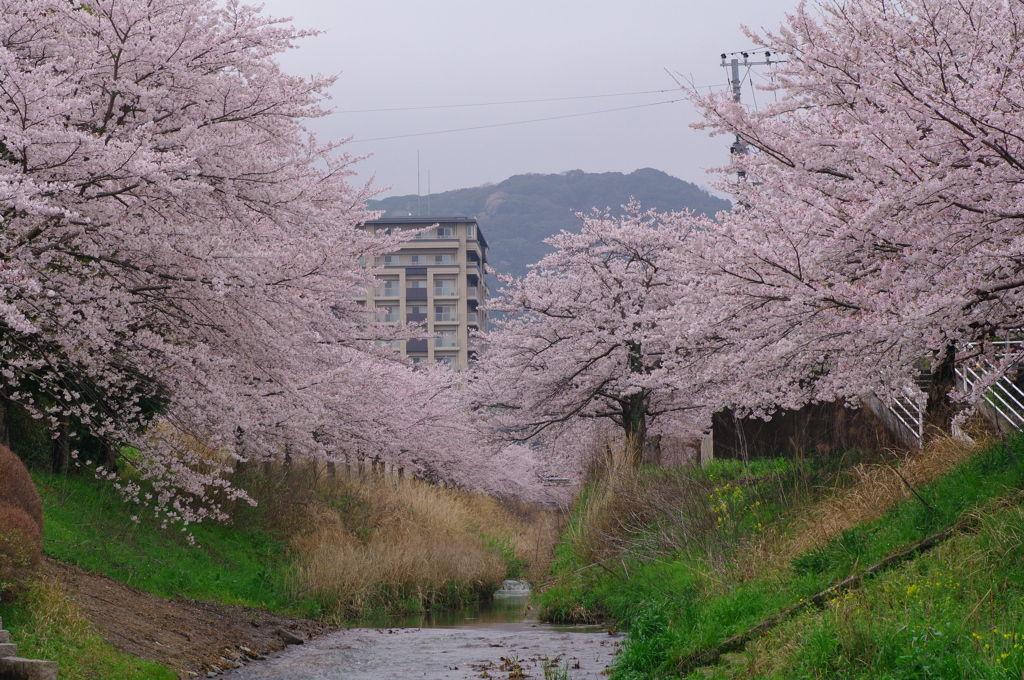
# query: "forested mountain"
x,y
518,214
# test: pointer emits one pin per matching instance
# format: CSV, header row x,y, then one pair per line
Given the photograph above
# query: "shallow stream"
x,y
495,639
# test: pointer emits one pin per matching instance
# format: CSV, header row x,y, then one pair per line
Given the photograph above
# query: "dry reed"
x,y
413,545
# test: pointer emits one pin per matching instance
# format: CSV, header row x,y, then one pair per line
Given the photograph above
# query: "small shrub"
x,y
21,549
21,524
17,488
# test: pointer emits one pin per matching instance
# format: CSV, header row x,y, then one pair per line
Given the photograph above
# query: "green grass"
x,y
47,624
89,525
678,604
953,613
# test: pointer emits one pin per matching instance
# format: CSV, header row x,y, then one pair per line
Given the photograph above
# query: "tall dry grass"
x,y
387,544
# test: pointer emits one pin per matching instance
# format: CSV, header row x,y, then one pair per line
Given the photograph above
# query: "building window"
x,y
416,283
418,309
387,313
445,361
445,232
444,259
471,232
390,259
387,289
446,339
418,259
445,288
445,313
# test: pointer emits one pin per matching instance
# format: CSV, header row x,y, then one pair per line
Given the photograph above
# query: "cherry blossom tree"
x,y
880,222
591,332
180,257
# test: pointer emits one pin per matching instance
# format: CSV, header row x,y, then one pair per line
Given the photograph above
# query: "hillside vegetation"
x,y
726,572
518,214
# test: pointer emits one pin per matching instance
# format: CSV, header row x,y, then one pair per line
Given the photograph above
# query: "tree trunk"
x,y
60,449
109,451
242,462
634,425
940,410
5,421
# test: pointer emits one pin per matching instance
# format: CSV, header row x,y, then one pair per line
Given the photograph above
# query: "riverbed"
x,y
493,640
506,650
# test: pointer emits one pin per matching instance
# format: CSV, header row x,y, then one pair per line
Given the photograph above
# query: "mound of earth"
x,y
195,639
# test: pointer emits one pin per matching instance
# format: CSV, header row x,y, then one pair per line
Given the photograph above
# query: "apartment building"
x,y
435,279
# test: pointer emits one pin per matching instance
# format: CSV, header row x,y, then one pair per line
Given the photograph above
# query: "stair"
x,y
13,667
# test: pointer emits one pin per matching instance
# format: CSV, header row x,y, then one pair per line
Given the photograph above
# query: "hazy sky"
x,y
446,53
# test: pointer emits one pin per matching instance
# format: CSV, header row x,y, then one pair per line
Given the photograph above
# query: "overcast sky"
x,y
392,54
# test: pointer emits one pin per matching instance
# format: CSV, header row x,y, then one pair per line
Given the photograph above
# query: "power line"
x,y
518,101
518,122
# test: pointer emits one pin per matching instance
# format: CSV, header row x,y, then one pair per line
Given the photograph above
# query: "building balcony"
x,y
446,317
385,292
446,341
390,317
472,291
446,291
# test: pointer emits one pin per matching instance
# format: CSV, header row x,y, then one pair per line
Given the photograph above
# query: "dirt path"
x,y
192,638
506,651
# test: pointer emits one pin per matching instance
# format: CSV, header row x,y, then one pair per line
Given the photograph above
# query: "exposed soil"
x,y
192,638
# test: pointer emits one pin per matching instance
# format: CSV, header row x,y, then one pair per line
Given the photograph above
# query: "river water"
x,y
497,639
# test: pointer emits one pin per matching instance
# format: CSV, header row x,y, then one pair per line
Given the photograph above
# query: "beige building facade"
x,y
436,279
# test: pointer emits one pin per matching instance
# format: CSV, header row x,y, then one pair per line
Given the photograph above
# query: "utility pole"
x,y
733,64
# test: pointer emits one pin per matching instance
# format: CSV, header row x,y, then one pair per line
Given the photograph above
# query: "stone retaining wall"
x,y
13,667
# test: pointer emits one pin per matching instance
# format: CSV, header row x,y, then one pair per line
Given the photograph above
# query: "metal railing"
x,y
909,408
385,292
443,341
1004,396
446,291
432,235
446,316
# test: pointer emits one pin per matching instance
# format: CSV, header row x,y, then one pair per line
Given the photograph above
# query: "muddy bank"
x,y
192,638
515,650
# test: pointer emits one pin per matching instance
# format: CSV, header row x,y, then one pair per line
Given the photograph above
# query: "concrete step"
x,y
5,636
8,649
17,668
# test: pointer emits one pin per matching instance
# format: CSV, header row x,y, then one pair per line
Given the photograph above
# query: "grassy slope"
x,y
249,562
930,619
88,525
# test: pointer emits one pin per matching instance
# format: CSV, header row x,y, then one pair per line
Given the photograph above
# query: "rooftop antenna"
x,y
418,213
428,192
